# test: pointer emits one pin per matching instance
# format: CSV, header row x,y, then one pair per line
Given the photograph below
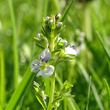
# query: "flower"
x,y
70,51
37,66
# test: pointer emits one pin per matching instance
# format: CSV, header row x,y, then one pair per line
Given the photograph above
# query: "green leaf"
x,y
20,90
41,101
40,46
66,87
66,11
62,98
104,47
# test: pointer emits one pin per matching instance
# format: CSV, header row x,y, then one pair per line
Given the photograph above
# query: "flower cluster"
x,y
55,49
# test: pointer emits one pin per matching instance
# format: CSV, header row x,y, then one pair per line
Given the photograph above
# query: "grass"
x,y
20,21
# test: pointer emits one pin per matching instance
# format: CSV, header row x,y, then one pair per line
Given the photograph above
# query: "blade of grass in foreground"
x,y
2,80
88,94
92,85
72,102
105,49
20,90
15,49
66,12
22,87
108,91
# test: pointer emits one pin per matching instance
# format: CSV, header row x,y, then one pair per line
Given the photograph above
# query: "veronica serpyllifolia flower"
x,y
37,66
70,51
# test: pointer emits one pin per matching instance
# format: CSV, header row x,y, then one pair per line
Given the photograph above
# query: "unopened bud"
x,y
59,24
47,18
51,21
38,36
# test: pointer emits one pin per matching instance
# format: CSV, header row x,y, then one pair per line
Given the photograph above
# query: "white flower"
x,y
47,72
70,51
36,65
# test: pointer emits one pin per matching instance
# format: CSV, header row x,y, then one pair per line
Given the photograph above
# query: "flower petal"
x,y
35,66
70,51
45,55
47,72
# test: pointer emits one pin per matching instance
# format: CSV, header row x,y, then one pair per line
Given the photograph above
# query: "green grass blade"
x,y
20,90
88,94
2,80
108,91
92,85
96,77
41,101
45,7
66,12
105,49
15,48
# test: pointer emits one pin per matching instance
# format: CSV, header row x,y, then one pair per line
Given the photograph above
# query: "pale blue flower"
x,y
70,51
36,65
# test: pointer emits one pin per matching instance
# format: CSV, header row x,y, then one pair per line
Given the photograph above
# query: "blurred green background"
x,y
17,50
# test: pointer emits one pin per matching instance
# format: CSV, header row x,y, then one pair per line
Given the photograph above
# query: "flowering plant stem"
x,y
51,91
53,76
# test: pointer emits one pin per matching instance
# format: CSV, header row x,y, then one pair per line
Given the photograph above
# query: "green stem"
x,y
51,91
53,75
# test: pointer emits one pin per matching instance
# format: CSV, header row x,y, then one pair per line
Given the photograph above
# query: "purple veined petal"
x,y
35,66
70,51
47,72
45,56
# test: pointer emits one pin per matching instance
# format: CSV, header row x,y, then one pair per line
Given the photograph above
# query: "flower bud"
x,y
51,22
47,18
57,16
38,36
59,24
62,53
57,104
